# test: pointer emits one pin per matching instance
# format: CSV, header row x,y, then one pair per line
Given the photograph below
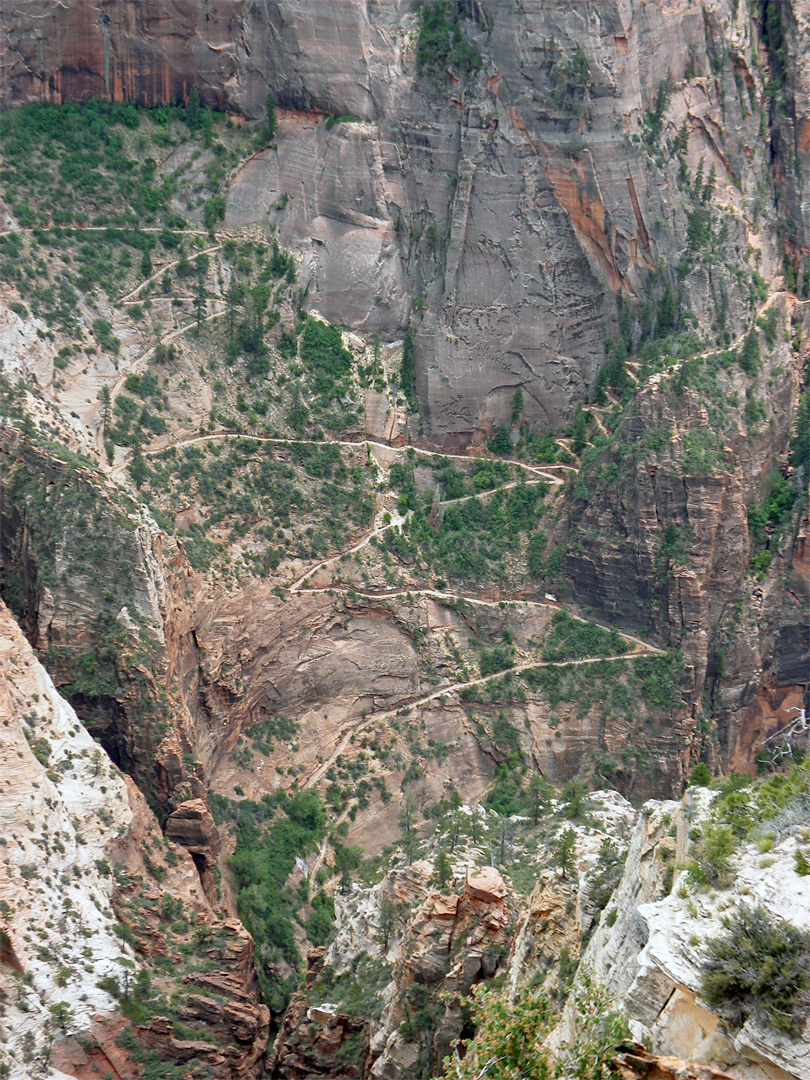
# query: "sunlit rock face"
x,y
62,806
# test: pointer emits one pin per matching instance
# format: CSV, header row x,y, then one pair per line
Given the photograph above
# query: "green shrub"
x,y
440,44
750,354
701,777
761,968
498,659
768,322
321,921
571,639
326,359
513,1036
711,857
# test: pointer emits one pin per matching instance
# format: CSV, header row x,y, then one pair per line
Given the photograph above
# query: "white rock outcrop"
x,y
649,948
62,803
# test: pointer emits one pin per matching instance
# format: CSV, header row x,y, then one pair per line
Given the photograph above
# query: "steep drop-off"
x,y
370,466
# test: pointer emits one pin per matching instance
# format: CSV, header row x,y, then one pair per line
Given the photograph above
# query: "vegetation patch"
x,y
759,968
571,639
270,836
441,45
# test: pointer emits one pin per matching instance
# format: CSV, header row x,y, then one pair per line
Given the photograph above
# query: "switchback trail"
x,y
353,727
133,368
401,519
444,597
280,441
163,269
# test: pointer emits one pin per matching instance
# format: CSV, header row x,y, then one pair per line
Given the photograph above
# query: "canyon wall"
x,y
504,214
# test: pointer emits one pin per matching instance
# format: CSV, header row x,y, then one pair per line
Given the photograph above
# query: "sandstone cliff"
x,y
247,615
62,806
513,205
649,948
84,895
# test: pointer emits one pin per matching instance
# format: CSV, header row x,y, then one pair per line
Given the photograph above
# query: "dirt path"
x,y
444,597
167,266
536,470
401,519
353,727
105,228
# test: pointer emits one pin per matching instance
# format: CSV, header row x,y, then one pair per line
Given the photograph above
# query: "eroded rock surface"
x,y
650,953
514,205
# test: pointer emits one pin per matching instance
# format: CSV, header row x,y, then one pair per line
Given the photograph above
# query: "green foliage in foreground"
x,y
509,1041
761,968
745,810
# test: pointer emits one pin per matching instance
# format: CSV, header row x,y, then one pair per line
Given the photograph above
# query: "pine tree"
x,y
104,398
539,794
193,115
579,432
667,312
442,870
233,298
407,371
563,855
750,355
517,405
410,837
709,186
270,120
388,922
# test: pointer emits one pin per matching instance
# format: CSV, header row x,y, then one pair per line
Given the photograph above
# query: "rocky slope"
x,y
690,456
246,604
650,947
63,805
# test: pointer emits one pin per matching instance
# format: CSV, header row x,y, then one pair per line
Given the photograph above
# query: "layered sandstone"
x,y
512,205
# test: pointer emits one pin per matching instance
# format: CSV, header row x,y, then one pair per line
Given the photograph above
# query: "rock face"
x,y
88,595
192,827
61,805
649,953
745,642
514,205
635,1062
416,952
320,1040
67,815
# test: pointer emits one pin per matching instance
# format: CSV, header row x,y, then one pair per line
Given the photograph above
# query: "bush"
x,y
701,777
761,968
570,639
750,354
514,1036
711,860
327,360
498,659
440,44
